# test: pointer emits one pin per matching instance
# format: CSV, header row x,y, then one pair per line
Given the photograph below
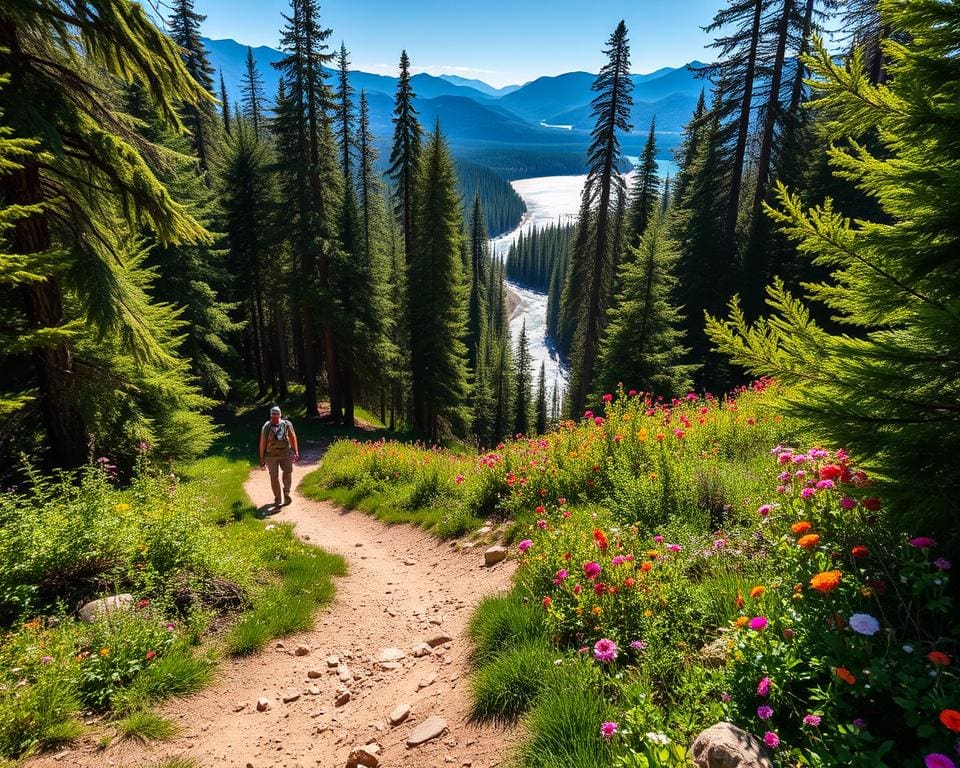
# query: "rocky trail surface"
x,y
386,664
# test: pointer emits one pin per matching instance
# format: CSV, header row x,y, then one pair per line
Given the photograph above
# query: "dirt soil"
x,y
403,587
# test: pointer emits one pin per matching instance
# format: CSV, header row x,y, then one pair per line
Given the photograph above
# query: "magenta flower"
x,y
923,542
758,623
771,739
658,539
605,650
638,645
725,697
524,545
591,570
824,485
542,525
812,720
459,479
859,723
807,492
764,712
608,729
764,510
938,760
618,560
942,564
847,503
763,687
560,577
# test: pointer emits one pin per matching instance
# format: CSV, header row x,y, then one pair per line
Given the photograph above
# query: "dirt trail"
x,y
403,587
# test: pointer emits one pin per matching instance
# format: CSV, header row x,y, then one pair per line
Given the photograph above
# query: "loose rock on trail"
x,y
386,664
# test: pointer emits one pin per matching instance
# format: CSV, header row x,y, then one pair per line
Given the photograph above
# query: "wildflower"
x,y
763,687
459,479
122,507
725,697
830,472
597,610
939,658
847,503
941,563
739,602
788,634
806,493
547,601
170,626
655,737
860,723
639,645
648,613
864,624
764,712
607,398
757,592
771,739
143,603
151,655
588,414
812,720
824,485
846,675
801,528
923,542
741,622
591,570
608,729
758,623
618,560
809,541
658,539
600,538
49,659
599,588
674,547
951,720
605,650
938,760
524,545
542,525
104,651
871,504
764,510
826,581
560,576
598,421
859,551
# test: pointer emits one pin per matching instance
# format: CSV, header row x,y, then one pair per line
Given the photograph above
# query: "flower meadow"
x,y
688,562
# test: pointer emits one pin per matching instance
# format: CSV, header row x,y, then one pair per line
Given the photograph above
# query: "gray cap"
x,y
275,409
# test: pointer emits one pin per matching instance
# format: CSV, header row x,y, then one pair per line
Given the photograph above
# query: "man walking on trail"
x,y
278,450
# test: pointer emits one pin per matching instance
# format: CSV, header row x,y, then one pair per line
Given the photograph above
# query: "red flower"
x,y
939,658
878,585
598,588
629,582
860,551
600,538
830,472
151,655
951,719
871,503
547,601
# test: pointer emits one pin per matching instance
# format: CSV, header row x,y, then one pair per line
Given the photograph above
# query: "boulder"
x,y
263,704
725,746
391,654
714,653
97,608
494,555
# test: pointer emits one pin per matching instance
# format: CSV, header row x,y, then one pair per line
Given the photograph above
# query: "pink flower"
x,y
46,659
607,730
923,542
812,720
658,539
758,623
763,687
459,479
764,712
560,577
598,421
941,563
938,760
725,697
618,560
638,645
807,492
591,570
764,510
847,503
607,398
824,485
542,525
674,547
588,414
524,545
605,650
771,739
784,458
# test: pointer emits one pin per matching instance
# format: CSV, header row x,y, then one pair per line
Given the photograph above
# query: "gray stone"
x,y
422,649
725,746
438,638
399,714
391,654
714,653
494,555
429,729
105,605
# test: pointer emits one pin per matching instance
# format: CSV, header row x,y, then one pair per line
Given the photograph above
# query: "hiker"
x,y
278,450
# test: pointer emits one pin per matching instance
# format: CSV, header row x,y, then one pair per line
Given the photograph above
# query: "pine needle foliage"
x,y
889,387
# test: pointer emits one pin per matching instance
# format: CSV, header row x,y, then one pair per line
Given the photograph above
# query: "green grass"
x,y
507,686
502,622
146,726
175,762
177,673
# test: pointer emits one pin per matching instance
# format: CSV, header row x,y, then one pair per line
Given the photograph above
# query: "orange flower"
x,y
801,528
547,601
32,624
844,674
741,622
653,554
951,720
826,581
757,592
809,541
597,610
939,658
645,567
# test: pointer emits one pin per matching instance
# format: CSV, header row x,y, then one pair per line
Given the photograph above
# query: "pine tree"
x,y
611,110
403,156
251,88
522,380
224,104
436,295
483,404
541,425
501,378
344,114
80,196
886,387
479,261
642,346
645,194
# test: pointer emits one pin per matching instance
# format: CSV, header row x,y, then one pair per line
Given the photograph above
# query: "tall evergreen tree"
x,y
224,104
344,112
886,387
436,295
501,377
403,157
541,416
82,194
645,194
642,347
251,88
522,380
479,261
611,110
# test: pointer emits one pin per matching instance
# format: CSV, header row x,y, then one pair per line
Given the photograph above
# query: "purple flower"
x,y
524,545
605,650
847,503
938,760
725,697
618,560
560,577
864,624
812,720
942,564
763,687
923,542
771,739
764,510
859,723
46,659
719,543
758,623
638,645
764,712
608,729
784,477
824,485
807,493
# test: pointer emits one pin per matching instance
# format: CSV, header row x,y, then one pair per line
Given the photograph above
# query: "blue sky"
x,y
499,41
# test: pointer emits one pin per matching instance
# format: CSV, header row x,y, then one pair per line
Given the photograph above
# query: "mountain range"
x,y
549,117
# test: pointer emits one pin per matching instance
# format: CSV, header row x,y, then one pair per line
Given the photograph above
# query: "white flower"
x,y
864,624
658,738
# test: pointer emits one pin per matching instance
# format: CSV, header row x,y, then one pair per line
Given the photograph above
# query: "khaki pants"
x,y
274,465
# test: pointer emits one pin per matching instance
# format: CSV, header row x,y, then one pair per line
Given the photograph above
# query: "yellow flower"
x,y
104,651
642,434
122,507
648,613
597,610
580,611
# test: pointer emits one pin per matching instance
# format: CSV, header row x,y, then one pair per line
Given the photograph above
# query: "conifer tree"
x,y
344,114
483,405
642,347
79,198
594,279
887,387
251,88
224,104
541,425
688,146
501,378
403,156
645,194
522,381
479,261
437,296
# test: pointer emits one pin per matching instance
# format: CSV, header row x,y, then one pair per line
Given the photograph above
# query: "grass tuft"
x,y
501,622
146,726
507,686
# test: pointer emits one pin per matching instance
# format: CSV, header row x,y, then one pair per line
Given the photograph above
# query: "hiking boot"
x,y
276,502
287,499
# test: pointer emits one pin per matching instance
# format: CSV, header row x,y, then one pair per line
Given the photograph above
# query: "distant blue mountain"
x,y
481,86
671,112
